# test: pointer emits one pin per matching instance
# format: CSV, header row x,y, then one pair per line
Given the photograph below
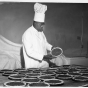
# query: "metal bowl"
x,y
80,78
30,80
54,82
56,51
45,77
14,83
17,77
39,84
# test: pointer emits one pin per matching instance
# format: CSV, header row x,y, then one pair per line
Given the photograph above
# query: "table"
x,y
67,82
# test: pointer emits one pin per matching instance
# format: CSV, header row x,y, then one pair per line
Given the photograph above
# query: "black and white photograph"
x,y
43,43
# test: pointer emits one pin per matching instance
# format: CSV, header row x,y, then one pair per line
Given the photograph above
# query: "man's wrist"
x,y
52,47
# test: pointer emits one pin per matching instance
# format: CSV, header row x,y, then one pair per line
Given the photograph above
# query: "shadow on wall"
x,y
22,58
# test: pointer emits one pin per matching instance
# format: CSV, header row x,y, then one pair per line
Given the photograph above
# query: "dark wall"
x,y
63,24
14,20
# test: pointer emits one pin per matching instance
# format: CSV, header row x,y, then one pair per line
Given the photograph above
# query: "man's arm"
x,y
48,45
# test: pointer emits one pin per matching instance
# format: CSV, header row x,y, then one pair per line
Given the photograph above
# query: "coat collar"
x,y
38,34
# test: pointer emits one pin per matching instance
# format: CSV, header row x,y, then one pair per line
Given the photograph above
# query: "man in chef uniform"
x,y
35,44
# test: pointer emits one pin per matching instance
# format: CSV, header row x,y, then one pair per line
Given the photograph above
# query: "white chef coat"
x,y
35,46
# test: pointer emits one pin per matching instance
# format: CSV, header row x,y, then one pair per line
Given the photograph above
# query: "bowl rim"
x,y
79,79
61,81
16,70
14,77
64,77
33,75
5,70
41,82
56,48
46,75
84,85
10,74
70,73
30,78
14,81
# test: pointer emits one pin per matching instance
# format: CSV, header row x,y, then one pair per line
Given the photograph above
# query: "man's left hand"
x,y
49,56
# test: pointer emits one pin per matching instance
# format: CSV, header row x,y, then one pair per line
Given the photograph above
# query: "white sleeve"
x,y
48,45
28,45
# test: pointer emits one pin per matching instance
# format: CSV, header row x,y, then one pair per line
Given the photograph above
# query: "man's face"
x,y
41,27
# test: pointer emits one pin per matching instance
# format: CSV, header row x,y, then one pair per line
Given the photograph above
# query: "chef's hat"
x,y
39,12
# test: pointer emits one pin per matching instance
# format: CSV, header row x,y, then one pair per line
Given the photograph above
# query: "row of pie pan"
x,y
55,69
44,80
49,77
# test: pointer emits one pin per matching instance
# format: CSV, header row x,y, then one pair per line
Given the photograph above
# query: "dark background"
x,y
66,24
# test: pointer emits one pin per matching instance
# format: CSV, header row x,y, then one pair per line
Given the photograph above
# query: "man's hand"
x,y
47,57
